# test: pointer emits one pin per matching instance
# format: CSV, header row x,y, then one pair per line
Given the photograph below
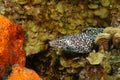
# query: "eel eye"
x,y
60,41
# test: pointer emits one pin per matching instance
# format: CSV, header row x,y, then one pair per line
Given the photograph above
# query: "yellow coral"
x,y
112,30
93,6
116,40
102,40
105,3
60,7
102,12
95,58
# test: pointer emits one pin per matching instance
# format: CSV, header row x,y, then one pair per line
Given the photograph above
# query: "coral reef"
x,y
102,40
52,19
11,52
46,20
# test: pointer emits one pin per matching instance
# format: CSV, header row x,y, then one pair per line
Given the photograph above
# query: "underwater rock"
x,y
11,49
22,73
103,40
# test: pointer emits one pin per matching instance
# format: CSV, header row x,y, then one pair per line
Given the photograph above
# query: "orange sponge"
x,y
11,45
22,73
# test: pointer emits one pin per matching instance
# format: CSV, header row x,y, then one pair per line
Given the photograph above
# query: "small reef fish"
x,y
78,43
